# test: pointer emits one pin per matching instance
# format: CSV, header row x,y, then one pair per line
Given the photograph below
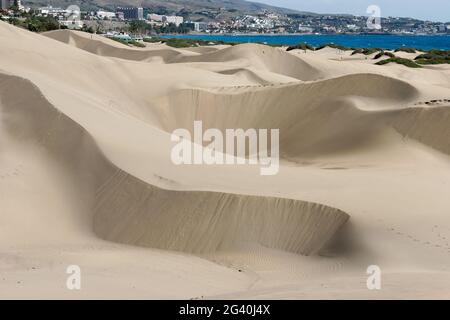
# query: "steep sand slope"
x,y
247,55
345,106
85,153
261,57
105,47
128,210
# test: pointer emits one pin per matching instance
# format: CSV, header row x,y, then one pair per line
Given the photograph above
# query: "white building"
x,y
105,15
50,11
155,17
352,27
130,13
166,19
305,29
200,26
174,19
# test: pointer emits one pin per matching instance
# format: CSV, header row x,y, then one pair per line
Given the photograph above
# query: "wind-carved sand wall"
x,y
122,208
133,212
314,119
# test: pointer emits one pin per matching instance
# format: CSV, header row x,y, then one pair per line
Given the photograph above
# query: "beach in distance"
x,y
425,42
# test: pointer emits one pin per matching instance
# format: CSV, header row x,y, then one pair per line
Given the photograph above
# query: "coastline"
x,y
386,41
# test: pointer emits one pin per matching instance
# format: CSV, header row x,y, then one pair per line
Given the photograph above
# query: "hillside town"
x,y
266,22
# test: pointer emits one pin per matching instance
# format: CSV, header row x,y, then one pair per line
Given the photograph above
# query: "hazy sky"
x,y
436,10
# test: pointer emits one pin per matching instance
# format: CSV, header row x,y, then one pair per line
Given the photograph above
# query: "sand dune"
x,y
203,222
156,219
86,176
109,48
261,57
258,56
318,117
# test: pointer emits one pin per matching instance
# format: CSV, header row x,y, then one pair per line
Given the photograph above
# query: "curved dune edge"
x,y
315,118
261,56
109,48
206,222
128,210
428,126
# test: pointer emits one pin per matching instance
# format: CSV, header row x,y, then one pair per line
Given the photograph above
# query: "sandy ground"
x,y
86,177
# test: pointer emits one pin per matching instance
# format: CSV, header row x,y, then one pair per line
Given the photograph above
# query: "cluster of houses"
x,y
122,14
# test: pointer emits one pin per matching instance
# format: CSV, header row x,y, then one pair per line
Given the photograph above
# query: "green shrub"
x,y
153,40
384,53
434,57
439,52
406,62
121,41
39,24
389,54
408,50
437,60
366,51
180,43
300,46
137,44
334,46
185,43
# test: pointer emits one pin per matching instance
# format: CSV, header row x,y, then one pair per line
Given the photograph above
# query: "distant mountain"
x,y
210,7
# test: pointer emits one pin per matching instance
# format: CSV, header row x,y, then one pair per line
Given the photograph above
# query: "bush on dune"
x,y
129,43
335,46
366,51
406,62
434,57
407,50
39,24
183,43
434,61
120,41
137,44
301,46
384,53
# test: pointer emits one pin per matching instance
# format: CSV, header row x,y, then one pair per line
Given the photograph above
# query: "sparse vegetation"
x,y
121,41
406,62
137,44
36,24
407,50
179,43
434,61
366,51
434,57
383,53
301,46
335,46
153,40
185,43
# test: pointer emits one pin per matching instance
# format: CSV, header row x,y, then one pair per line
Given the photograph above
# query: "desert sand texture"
x,y
86,176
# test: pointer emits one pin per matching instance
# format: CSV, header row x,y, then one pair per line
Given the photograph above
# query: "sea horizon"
x,y
384,41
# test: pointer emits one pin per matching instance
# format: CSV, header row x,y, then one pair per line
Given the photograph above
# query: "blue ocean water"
x,y
441,42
